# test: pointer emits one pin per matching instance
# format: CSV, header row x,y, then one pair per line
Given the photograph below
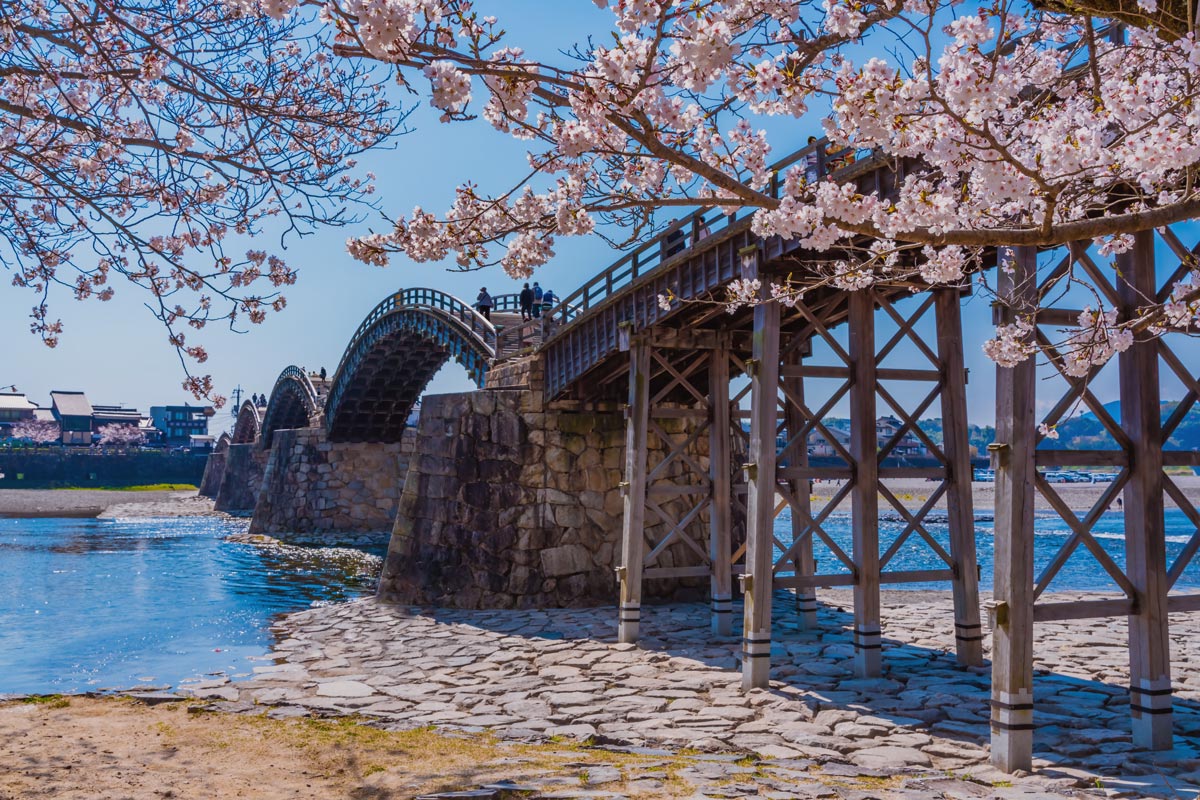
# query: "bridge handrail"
x,y
292,372
684,233
416,298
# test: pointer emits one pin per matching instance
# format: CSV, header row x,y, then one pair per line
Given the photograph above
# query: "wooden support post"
x,y
864,499
801,488
758,582
1145,543
1012,604
968,633
720,539
633,539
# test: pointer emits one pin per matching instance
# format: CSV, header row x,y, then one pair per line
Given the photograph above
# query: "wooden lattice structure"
x,y
647,329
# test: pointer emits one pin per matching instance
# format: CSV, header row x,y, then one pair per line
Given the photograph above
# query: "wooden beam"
x,y
968,632
720,469
633,539
864,502
1012,604
803,564
1183,602
1145,534
1082,609
760,511
1081,458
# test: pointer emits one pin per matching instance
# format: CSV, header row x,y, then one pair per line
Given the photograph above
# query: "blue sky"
x,y
117,352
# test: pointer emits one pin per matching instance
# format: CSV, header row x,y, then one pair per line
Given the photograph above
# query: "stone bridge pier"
x,y
311,485
512,502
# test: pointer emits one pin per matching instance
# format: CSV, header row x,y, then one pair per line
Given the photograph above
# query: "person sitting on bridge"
x,y
484,303
537,300
526,300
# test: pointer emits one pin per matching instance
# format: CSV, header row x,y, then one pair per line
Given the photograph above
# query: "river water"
x,y
100,603
87,604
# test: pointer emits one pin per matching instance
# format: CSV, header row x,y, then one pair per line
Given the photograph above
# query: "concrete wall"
x,y
509,505
312,485
43,468
241,478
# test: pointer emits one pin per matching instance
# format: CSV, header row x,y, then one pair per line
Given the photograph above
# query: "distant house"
x,y
820,445
14,407
114,415
80,421
73,413
179,424
908,445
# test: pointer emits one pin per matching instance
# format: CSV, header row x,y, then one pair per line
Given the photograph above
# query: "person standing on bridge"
x,y
526,301
484,303
537,300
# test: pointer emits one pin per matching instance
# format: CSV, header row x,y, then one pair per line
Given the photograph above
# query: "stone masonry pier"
x,y
512,503
241,478
312,485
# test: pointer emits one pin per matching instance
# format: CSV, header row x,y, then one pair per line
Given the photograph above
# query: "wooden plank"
x,y
720,537
912,472
803,563
813,581
882,373
701,571
1082,609
960,513
1145,533
633,539
760,515
917,576
815,473
1183,602
864,499
674,490
1012,605
1181,458
679,413
1081,458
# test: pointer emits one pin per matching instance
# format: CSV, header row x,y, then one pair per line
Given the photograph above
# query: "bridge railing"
x,y
819,158
426,298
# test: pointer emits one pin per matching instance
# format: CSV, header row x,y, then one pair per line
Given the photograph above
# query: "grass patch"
x,y
47,700
146,487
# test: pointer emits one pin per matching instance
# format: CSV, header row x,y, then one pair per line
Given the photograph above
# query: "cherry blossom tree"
x,y
145,139
37,431
1021,126
121,435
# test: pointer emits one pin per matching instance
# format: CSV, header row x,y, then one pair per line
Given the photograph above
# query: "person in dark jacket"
x,y
526,300
484,303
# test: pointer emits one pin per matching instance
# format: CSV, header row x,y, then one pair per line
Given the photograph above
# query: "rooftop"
x,y
71,404
15,401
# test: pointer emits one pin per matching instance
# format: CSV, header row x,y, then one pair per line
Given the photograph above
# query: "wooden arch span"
x,y
294,403
248,425
394,353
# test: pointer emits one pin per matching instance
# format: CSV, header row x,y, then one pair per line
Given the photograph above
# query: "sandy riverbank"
x,y
102,503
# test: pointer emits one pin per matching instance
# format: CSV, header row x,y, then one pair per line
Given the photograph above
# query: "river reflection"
x,y
97,603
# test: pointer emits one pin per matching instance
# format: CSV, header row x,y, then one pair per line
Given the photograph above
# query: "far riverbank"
x,y
87,503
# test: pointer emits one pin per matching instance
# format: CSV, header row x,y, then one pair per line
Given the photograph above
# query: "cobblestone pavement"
x,y
918,731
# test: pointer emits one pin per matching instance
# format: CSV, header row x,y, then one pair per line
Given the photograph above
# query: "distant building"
x,y
14,407
179,424
80,421
114,415
73,413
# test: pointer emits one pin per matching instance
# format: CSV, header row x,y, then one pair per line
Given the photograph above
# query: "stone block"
x,y
565,560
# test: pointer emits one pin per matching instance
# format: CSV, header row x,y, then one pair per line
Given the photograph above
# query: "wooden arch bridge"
x,y
750,381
